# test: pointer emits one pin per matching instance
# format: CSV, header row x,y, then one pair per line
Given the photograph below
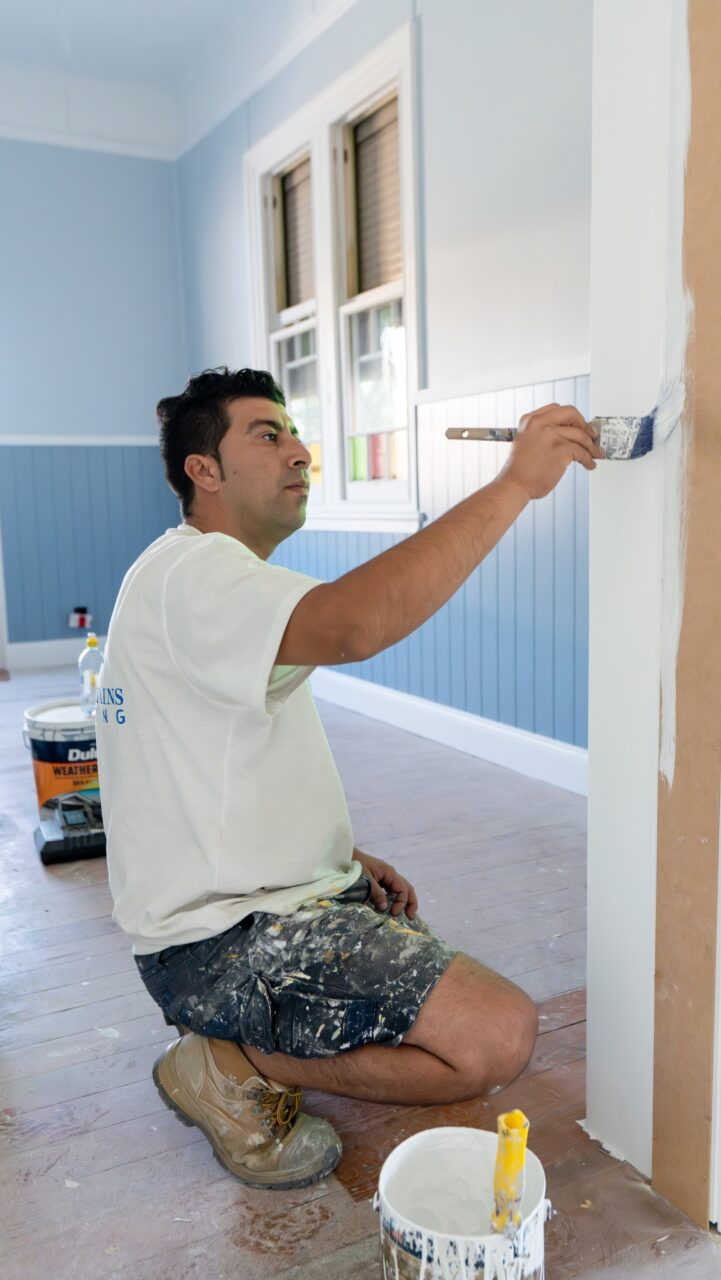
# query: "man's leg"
x,y
474,1034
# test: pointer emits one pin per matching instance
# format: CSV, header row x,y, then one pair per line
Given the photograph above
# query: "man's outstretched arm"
x,y
384,600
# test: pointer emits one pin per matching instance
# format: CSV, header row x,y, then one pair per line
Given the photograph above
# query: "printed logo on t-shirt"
x,y
110,704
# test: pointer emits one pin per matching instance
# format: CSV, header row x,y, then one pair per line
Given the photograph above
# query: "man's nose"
x,y
299,455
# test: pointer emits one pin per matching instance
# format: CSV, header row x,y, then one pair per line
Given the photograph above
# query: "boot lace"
x,y
282,1107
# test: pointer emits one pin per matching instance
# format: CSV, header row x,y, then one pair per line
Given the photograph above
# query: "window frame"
x,y
317,130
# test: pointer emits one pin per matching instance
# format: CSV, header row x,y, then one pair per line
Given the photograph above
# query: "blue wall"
x,y
91,331
120,276
91,336
73,519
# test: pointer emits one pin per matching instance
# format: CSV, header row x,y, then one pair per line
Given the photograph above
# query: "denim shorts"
x,y
334,975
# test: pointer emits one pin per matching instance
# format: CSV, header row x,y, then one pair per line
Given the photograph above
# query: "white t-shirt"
x,y
219,791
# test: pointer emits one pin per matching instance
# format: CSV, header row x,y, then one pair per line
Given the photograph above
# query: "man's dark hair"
x,y
197,419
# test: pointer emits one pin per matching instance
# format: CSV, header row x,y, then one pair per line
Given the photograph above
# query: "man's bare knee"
x,y
479,1022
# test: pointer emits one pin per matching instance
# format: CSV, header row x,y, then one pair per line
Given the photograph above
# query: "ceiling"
x,y
176,46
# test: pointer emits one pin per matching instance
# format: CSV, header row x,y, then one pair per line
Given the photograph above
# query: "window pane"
x,y
398,455
297,234
299,379
358,456
379,457
378,197
378,370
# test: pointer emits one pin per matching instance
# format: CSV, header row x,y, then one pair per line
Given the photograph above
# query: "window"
x,y
331,229
293,334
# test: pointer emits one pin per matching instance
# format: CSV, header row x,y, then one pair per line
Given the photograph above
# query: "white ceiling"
x,y
204,55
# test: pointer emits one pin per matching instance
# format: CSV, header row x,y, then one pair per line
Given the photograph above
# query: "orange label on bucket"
x,y
64,767
54,779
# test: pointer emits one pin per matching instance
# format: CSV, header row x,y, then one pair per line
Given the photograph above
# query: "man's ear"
x,y
203,471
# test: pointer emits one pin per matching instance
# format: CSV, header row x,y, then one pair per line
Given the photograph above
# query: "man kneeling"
x,y
290,957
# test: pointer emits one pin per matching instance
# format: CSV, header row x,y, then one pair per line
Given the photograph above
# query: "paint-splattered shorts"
x,y
332,976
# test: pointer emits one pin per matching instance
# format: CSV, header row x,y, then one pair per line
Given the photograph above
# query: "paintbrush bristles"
x,y
669,409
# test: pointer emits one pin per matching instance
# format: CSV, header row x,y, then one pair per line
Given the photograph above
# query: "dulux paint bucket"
x,y
62,744
435,1196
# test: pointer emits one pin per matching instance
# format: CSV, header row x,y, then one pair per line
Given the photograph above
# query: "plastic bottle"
x,y
89,664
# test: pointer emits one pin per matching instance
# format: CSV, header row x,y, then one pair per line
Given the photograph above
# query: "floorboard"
x,y
98,1179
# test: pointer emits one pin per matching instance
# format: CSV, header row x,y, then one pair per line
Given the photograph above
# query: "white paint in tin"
x,y
435,1196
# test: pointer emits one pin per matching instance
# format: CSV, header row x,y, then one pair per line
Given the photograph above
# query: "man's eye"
x,y
273,435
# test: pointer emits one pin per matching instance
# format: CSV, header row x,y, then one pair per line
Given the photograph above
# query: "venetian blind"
x,y
297,233
378,197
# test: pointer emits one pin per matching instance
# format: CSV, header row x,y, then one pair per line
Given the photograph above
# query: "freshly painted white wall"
x,y
635,534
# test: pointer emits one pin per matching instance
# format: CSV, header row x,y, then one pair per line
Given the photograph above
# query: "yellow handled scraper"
x,y
509,1179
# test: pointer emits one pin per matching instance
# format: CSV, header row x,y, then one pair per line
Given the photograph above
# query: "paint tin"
x,y
435,1196
62,743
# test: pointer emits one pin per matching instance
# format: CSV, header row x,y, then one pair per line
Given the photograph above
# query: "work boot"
x,y
255,1127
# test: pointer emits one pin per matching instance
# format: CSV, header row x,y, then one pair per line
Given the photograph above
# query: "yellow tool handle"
x,y
510,1175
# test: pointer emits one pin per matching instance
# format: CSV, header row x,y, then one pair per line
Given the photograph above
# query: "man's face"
x,y
266,470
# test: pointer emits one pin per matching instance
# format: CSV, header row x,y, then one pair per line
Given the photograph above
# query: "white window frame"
x,y
314,130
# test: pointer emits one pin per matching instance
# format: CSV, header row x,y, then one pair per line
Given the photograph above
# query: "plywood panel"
x,y
688,816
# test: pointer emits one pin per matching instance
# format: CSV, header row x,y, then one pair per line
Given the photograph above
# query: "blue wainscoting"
x,y
73,519
512,644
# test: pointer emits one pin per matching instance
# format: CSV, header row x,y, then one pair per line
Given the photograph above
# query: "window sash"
x,y
293,235
373,189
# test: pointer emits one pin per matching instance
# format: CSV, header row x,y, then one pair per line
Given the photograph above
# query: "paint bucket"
x,y
435,1196
62,743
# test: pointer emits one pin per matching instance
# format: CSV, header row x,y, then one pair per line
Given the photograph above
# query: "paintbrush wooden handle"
x,y
504,434
501,435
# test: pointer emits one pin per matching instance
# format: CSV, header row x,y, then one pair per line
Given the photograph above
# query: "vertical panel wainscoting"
x,y
512,645
73,519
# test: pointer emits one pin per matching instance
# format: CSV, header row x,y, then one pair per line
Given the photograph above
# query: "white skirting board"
x,y
537,757
36,654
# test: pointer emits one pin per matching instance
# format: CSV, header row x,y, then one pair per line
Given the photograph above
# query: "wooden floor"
x,y
99,1180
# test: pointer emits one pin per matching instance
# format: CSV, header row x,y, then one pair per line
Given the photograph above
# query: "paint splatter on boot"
x,y
256,1128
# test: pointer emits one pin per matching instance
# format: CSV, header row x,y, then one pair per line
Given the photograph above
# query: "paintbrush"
x,y
620,438
509,1179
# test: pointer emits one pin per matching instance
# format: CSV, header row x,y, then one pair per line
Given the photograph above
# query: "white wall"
x,y
635,535
506,127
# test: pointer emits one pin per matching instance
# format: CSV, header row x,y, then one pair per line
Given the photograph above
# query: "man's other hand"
x,y
385,879
548,441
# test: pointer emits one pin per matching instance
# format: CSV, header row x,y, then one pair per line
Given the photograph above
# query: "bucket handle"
x,y
26,740
376,1202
